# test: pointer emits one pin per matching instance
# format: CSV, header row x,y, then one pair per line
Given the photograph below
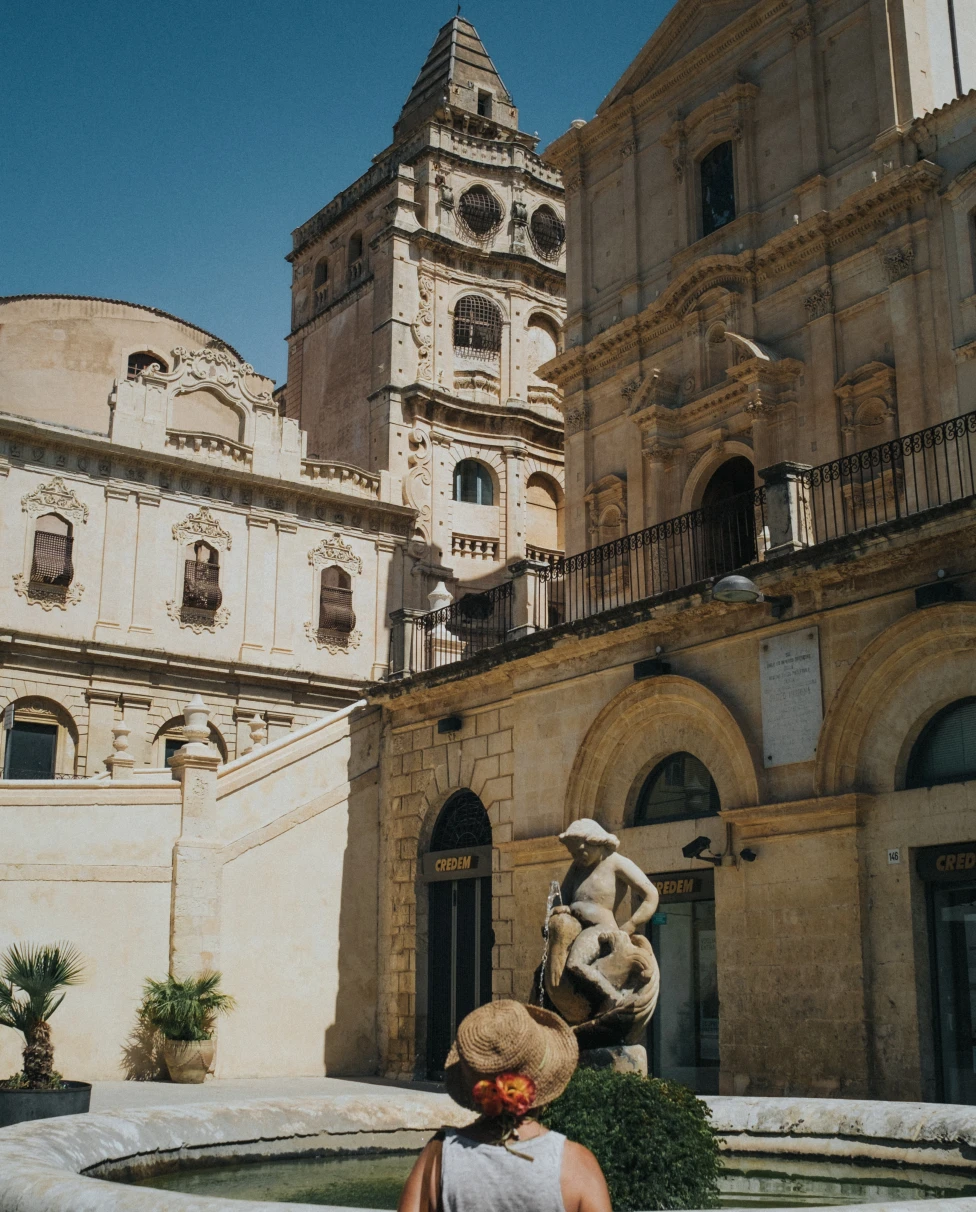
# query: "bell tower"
x,y
424,298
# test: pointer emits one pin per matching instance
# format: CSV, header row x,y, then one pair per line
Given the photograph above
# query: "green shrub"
x,y
652,1138
184,1009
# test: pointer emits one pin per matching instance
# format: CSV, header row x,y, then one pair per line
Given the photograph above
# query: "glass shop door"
x,y
459,943
682,1042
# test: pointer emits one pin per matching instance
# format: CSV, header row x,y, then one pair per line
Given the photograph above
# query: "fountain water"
x,y
555,893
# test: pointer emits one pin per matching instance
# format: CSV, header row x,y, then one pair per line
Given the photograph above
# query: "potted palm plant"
x,y
30,977
184,1013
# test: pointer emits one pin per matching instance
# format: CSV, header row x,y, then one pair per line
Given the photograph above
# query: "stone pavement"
x,y
117,1096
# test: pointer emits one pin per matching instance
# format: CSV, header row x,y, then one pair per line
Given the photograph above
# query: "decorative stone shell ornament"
x,y
335,551
55,497
202,525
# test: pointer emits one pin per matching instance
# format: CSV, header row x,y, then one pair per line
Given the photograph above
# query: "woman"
x,y
507,1061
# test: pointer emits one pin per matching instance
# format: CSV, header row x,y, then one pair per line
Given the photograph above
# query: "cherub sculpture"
x,y
601,977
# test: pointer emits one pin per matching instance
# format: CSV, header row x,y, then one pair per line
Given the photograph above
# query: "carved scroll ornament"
x,y
202,525
55,497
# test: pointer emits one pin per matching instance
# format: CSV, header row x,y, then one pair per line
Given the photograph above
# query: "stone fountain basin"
x,y
63,1164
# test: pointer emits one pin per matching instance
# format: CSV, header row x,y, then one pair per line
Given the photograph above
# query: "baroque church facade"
x,y
754,664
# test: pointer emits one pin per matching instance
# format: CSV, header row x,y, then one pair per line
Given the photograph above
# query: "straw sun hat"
x,y
507,1037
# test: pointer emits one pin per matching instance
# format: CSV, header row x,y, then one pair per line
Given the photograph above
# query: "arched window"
x,y
170,738
335,602
717,176
544,523
679,788
462,822
548,233
472,483
51,561
39,740
140,362
728,519
479,211
477,327
946,750
355,246
201,579
321,278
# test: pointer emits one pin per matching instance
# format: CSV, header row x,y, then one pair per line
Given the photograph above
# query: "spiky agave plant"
x,y
30,976
185,1009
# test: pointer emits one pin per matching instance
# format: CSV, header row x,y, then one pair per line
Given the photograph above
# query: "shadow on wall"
x,y
350,1045
142,1055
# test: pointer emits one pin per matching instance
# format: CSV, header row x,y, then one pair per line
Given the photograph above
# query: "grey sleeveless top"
x,y
487,1178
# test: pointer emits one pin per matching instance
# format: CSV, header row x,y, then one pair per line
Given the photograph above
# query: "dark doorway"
x,y
459,932
683,1035
31,751
728,519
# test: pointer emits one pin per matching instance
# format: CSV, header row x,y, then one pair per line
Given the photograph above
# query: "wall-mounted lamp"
x,y
450,723
747,855
697,850
736,588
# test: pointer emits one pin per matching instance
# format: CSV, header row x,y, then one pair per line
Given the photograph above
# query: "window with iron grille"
x,y
51,561
480,211
462,821
335,603
140,362
477,327
548,232
201,580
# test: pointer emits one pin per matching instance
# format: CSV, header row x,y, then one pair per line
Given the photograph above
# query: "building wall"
x,y
822,951
285,910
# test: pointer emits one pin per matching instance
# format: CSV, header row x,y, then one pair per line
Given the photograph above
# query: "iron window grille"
x,y
201,586
51,563
477,327
336,614
479,212
462,822
548,233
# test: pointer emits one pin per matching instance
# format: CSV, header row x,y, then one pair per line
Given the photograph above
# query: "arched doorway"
x,y
457,868
728,517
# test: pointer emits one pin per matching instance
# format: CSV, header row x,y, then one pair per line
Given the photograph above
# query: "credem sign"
x,y
956,861
456,864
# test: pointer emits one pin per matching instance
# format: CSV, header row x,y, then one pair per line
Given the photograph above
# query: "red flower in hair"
x,y
511,1092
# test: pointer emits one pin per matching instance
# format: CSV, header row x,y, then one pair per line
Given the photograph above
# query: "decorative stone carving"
x,y
55,497
660,390
606,509
335,551
198,621
520,213
628,148
574,182
820,303
577,419
602,977
202,525
215,365
48,597
659,452
333,642
897,262
867,400
447,197
416,488
422,328
801,29
628,390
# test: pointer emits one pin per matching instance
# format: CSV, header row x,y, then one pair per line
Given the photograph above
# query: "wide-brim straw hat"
x,y
509,1037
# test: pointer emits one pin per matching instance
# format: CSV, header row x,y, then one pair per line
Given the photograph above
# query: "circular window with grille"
x,y
480,211
548,232
477,327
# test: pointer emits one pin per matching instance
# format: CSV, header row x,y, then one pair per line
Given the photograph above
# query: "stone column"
x,y
284,589
406,641
115,596
197,864
515,510
260,590
101,717
528,605
630,232
788,517
135,712
146,587
385,549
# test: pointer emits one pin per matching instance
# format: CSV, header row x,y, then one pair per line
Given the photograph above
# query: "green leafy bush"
x,y
184,1009
652,1138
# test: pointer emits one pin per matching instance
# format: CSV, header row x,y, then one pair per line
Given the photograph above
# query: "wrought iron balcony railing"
x,y
798,506
201,586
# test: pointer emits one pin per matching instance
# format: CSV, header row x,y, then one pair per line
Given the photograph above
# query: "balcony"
x,y
51,564
796,508
201,586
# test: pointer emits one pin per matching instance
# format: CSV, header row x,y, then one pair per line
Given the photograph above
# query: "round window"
x,y
548,232
480,210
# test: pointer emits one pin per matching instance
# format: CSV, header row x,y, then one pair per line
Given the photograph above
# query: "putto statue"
x,y
601,977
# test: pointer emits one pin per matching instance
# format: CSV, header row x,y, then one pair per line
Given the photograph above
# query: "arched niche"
x,y
642,726
901,680
204,411
39,739
705,468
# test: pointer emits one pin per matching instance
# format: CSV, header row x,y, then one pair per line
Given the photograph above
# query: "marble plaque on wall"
x,y
792,703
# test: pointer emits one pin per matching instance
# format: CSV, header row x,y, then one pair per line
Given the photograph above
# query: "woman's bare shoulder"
x,y
583,1186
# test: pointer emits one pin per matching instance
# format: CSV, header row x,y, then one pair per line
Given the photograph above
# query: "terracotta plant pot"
x,y
188,1060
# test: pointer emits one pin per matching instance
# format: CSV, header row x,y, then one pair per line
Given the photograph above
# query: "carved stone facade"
x,y
458,230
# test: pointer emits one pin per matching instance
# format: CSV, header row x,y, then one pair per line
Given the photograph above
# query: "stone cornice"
x,y
858,214
47,448
494,420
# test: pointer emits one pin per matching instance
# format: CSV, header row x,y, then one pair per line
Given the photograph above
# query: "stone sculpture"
x,y
600,976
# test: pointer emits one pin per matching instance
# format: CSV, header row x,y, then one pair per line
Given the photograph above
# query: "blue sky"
x,y
162,153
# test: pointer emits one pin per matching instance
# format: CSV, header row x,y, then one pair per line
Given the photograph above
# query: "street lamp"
x,y
736,588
